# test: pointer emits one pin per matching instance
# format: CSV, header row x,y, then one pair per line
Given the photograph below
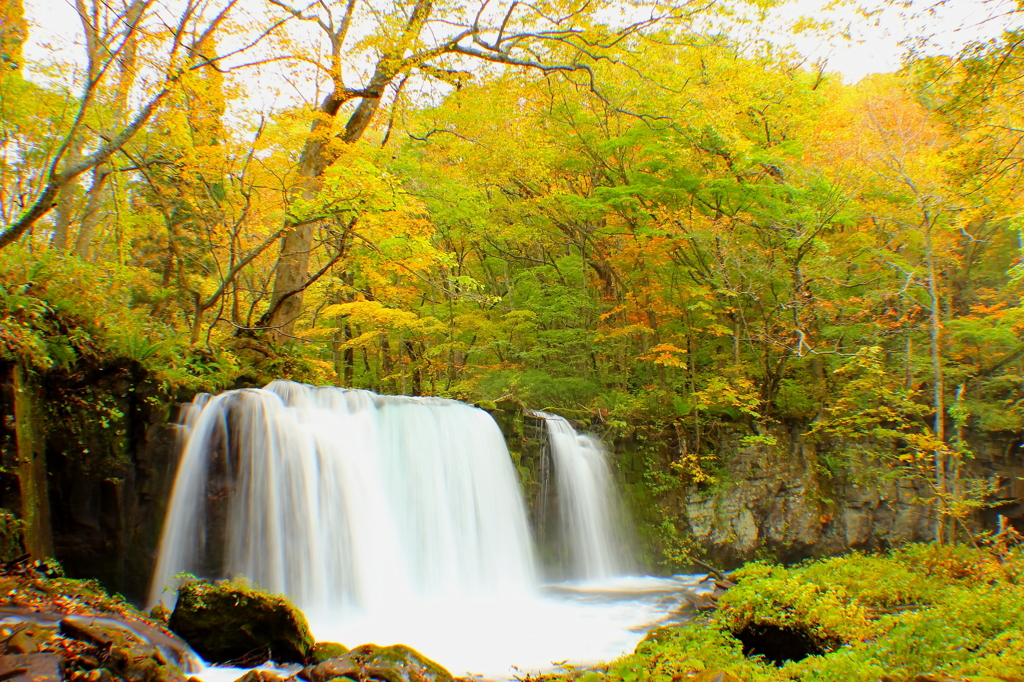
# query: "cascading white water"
x,y
345,500
589,514
398,520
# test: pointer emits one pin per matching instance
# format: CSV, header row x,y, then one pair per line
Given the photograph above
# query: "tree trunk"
x,y
336,340
293,264
289,276
91,214
65,209
938,389
350,359
99,188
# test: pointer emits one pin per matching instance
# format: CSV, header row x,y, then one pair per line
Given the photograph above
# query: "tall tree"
x,y
423,40
195,18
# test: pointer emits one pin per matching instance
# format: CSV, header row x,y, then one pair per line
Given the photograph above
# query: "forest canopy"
x,y
608,208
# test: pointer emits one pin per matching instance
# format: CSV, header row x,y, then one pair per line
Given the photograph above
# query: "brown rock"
x,y
98,675
76,629
259,676
396,663
170,673
330,669
233,622
30,668
22,642
140,669
324,650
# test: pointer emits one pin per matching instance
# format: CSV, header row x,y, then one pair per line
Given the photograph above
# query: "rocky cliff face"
x,y
110,458
794,500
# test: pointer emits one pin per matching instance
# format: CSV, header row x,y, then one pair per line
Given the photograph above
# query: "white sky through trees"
x,y
869,36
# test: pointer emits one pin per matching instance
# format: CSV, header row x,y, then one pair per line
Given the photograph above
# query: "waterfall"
x,y
589,512
391,519
346,501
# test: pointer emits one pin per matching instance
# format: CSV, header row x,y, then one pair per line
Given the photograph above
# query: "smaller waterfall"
x,y
589,511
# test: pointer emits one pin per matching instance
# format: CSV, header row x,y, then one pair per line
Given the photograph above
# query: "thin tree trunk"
x,y
693,392
385,364
336,340
938,392
350,359
197,318
99,189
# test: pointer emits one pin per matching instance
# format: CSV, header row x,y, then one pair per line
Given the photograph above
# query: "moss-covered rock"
x,y
260,676
919,613
324,650
230,621
396,663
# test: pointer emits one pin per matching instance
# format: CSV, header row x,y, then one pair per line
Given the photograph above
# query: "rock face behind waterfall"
x,y
109,457
798,499
232,622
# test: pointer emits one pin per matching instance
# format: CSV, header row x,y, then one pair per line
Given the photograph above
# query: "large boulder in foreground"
x,y
232,622
396,663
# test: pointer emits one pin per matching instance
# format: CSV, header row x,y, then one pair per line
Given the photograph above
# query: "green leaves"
x,y
919,610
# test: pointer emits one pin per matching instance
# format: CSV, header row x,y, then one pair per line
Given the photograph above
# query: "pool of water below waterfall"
x,y
568,624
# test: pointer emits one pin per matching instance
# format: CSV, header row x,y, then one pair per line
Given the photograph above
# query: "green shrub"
x,y
952,611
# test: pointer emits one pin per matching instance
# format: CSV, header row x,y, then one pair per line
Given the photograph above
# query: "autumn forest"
x,y
654,219
532,204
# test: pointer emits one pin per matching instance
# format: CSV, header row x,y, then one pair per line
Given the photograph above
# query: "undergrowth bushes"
x,y
59,313
62,313
954,613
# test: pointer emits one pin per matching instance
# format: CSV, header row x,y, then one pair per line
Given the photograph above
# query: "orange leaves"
x,y
996,312
665,354
624,331
612,313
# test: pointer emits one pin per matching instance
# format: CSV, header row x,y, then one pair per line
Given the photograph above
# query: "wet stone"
x,y
83,632
324,650
30,668
396,663
22,643
332,668
259,676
